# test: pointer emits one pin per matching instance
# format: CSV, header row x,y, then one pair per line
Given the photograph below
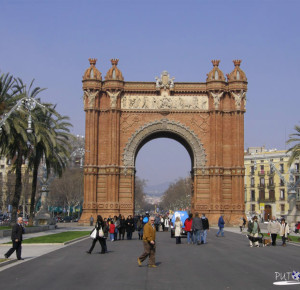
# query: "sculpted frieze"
x,y
164,102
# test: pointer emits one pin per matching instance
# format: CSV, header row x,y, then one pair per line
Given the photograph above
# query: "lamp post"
x,y
29,104
43,216
80,150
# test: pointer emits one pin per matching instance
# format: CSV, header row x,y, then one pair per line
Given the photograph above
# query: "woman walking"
x,y
284,231
178,227
100,229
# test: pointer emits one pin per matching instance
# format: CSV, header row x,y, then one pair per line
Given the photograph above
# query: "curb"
x,y
50,244
2,264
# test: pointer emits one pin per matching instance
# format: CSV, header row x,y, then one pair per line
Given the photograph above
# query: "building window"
x,y
282,194
281,182
252,195
262,181
252,181
271,181
297,167
252,170
262,169
281,168
272,195
282,207
253,207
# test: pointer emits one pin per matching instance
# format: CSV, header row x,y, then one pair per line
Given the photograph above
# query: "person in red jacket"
x,y
188,228
112,228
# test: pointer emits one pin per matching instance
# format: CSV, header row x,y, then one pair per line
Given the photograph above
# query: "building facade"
x,y
266,191
206,118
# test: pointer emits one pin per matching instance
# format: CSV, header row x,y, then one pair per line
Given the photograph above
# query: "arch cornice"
x,y
164,125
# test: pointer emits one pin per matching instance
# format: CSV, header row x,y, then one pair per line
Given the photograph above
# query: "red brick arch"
x,y
207,118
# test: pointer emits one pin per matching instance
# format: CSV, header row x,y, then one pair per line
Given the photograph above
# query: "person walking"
x,y
177,228
197,228
91,221
17,238
221,224
284,231
157,222
273,229
140,226
112,228
122,228
149,244
100,235
205,225
188,228
129,227
254,230
167,223
117,227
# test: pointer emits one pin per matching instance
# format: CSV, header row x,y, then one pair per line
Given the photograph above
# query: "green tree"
x,y
51,144
13,137
295,150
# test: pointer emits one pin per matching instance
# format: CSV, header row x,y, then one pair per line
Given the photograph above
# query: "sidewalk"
x,y
30,252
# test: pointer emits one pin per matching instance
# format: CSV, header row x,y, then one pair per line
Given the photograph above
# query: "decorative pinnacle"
x,y
114,61
92,61
237,62
215,62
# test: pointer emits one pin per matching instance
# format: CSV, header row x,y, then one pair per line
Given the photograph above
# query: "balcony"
x,y
271,186
270,173
261,186
261,173
266,200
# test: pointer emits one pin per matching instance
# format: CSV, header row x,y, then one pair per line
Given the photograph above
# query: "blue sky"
x,y
51,41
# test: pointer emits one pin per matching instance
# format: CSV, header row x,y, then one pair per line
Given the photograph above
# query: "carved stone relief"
x,y
217,98
164,102
113,98
164,125
90,95
164,82
238,97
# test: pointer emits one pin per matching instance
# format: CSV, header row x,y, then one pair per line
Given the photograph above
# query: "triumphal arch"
x,y
207,118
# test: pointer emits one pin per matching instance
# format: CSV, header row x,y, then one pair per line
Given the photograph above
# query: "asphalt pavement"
x,y
223,263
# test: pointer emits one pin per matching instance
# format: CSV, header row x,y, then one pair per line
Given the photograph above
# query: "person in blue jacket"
x,y
221,224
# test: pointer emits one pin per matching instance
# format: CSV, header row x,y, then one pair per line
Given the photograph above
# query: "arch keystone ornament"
x,y
207,118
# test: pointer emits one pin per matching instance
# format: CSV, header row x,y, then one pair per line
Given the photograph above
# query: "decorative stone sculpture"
x,y
113,98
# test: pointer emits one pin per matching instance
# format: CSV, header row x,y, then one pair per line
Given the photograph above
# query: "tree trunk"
x,y
33,188
18,188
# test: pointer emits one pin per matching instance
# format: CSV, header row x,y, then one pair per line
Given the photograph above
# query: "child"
x,y
112,230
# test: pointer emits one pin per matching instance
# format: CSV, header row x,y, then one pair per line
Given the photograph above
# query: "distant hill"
x,y
157,190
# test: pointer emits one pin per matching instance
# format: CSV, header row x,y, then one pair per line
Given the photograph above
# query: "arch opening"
x,y
164,173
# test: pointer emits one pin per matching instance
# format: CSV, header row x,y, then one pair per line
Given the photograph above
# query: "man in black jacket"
x,y
205,225
16,237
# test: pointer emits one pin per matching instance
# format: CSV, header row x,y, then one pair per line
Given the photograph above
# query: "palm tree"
x,y
50,143
295,137
13,138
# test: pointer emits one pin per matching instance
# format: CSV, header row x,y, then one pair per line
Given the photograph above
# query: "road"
x,y
223,263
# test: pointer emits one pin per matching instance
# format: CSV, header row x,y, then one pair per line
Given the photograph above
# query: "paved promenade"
x,y
223,263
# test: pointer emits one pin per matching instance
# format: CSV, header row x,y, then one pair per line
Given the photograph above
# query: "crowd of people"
x,y
274,229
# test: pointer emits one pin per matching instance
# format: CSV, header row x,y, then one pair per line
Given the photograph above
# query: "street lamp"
x,y
29,103
80,151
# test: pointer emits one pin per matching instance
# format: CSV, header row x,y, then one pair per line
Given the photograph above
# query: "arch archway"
x,y
206,118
